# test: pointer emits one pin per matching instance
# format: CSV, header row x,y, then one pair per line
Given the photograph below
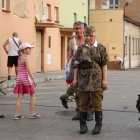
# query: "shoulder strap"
x,y
15,42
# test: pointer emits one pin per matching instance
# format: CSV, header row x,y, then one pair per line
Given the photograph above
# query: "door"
x,y
62,53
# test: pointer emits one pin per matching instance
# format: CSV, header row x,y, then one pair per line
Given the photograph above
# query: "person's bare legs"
x,y
18,105
16,70
32,103
33,114
9,73
9,70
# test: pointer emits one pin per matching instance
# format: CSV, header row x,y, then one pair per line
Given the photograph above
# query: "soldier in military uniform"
x,y
90,77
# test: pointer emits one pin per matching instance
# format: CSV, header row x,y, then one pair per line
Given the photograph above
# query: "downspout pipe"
x,y
88,11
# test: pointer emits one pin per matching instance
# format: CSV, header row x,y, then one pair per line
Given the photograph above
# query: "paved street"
x,y
120,120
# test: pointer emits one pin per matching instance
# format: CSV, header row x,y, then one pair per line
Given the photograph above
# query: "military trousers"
x,y
94,98
70,91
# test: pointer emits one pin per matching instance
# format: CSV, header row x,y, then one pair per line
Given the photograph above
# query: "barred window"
x,y
113,4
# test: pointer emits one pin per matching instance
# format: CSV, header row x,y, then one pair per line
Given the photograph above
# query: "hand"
x,y
104,84
34,83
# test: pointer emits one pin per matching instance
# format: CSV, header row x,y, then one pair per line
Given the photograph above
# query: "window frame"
x,y
115,4
56,14
49,42
6,5
48,12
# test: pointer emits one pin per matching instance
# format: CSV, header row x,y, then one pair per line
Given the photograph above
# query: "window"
x,y
6,5
105,4
126,45
133,46
138,46
113,4
56,9
75,17
49,41
48,12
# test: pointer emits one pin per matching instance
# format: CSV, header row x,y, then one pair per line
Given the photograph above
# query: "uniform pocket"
x,y
83,78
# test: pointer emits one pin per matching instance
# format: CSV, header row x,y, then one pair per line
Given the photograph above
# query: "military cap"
x,y
90,30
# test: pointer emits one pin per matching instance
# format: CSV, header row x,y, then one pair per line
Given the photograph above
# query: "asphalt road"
x,y
120,121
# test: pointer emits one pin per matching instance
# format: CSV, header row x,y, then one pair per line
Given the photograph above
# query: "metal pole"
x,y
88,11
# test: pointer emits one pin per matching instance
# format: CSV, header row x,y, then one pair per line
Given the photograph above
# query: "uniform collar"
x,y
93,45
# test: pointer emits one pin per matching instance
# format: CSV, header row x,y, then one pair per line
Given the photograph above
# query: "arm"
x,y
20,42
104,59
75,64
104,81
70,51
5,46
75,76
28,69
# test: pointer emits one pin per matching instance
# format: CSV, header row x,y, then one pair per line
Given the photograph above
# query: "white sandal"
x,y
34,116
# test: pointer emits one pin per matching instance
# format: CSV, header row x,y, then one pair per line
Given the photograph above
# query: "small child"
x,y
23,82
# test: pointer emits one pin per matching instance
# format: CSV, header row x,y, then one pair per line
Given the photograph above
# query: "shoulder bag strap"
x,y
15,42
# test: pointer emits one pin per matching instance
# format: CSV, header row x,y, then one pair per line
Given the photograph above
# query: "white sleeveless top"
x,y
13,47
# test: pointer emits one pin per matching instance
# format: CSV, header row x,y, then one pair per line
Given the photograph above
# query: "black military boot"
x,y
63,99
89,116
77,116
98,125
83,125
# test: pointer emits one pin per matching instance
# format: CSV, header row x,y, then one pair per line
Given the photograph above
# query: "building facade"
x,y
132,10
10,22
46,24
118,32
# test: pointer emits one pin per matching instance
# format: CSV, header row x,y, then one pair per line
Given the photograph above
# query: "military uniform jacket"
x,y
89,61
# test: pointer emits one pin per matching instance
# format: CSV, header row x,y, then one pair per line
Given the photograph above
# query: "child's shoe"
x,y
18,117
9,77
2,116
34,116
